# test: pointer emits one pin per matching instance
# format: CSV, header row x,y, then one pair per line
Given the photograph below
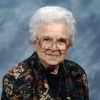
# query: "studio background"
x,y
14,40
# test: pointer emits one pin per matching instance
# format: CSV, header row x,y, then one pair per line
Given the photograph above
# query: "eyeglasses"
x,y
48,43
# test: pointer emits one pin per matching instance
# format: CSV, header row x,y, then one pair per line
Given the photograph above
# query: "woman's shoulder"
x,y
15,72
73,67
18,70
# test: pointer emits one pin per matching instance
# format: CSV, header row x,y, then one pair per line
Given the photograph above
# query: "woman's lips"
x,y
55,55
52,54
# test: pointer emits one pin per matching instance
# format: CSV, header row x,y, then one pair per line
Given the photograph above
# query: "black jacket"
x,y
28,81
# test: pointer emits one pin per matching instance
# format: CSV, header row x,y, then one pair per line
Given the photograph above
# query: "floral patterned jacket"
x,y
27,81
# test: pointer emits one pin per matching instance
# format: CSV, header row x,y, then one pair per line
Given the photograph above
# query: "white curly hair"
x,y
50,14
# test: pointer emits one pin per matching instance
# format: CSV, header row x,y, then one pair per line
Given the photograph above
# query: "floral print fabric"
x,y
27,81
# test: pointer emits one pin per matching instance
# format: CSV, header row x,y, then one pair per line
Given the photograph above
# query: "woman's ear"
x,y
34,44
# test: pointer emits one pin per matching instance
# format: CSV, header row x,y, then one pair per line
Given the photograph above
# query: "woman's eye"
x,y
47,39
62,41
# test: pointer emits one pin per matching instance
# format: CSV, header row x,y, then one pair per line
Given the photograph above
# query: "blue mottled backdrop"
x,y
14,40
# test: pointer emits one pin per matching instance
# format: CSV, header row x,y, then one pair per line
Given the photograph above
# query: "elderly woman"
x,y
46,75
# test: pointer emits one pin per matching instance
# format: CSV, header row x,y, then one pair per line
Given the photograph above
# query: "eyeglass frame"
x,y
68,43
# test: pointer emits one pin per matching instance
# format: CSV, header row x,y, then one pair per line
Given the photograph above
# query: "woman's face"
x,y
52,44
